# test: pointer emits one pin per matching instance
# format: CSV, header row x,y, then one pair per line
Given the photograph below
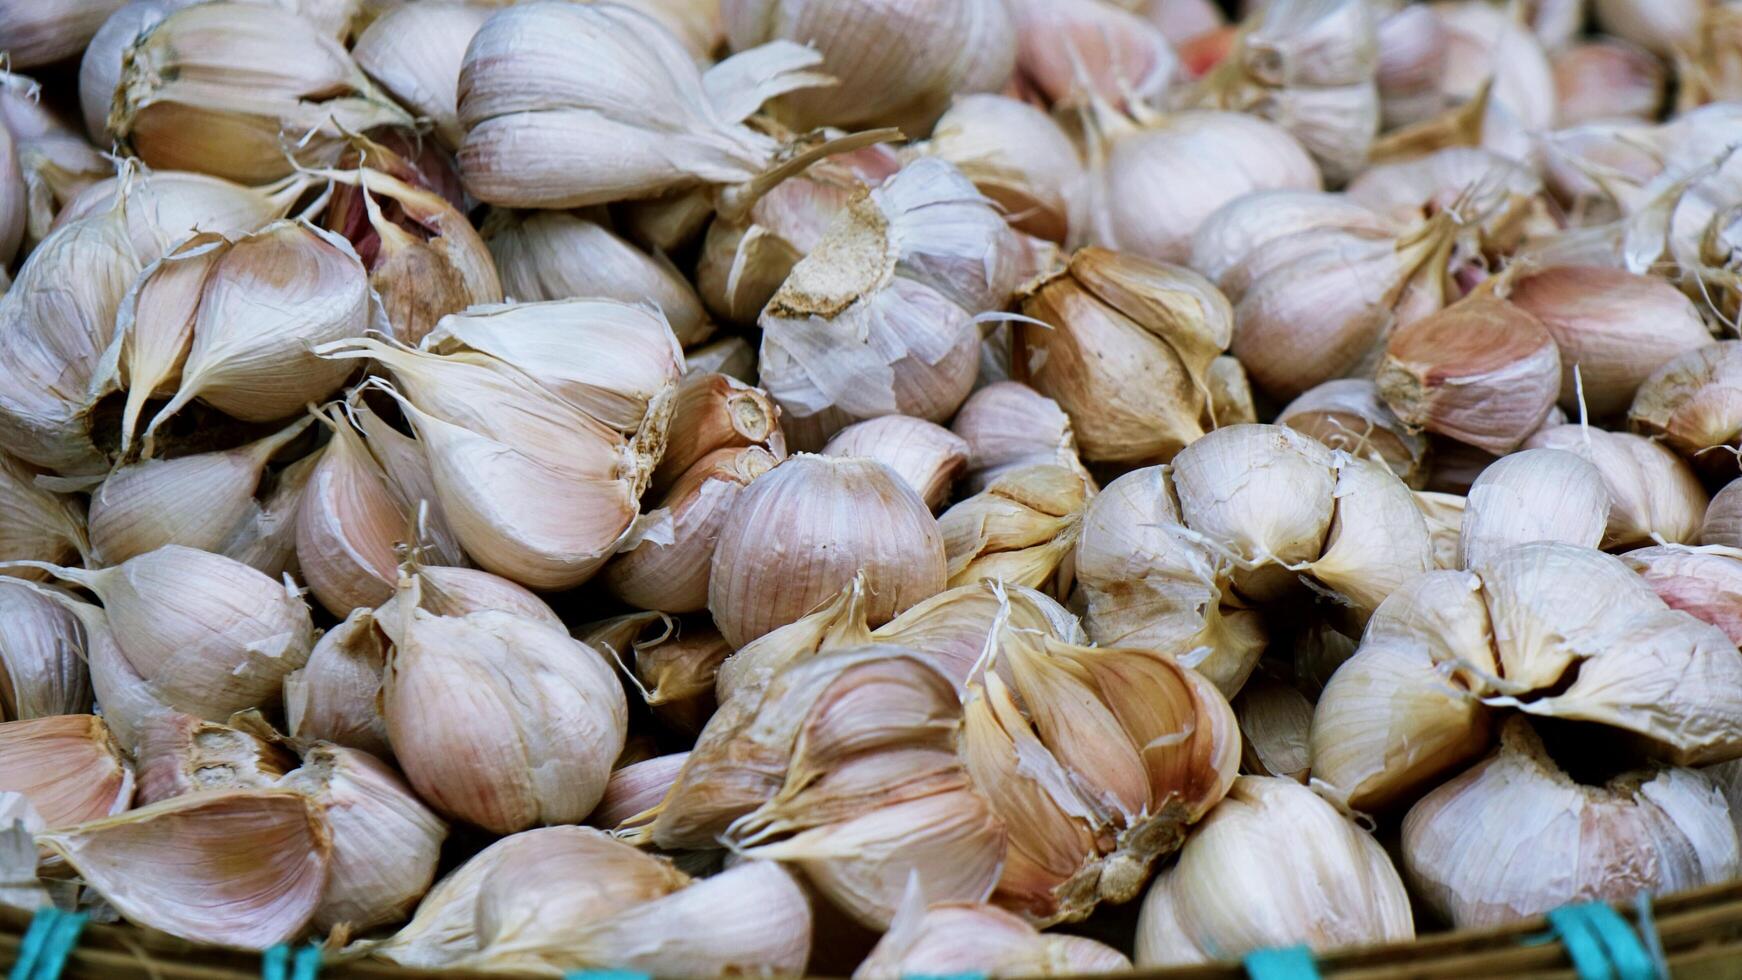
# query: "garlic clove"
x,y
68,766
1378,539
155,325
1242,227
1476,848
1348,414
957,937
243,869
1444,513
927,456
1653,493
1275,725
1008,425
37,523
1723,519
518,762
448,591
385,841
758,583
1688,402
42,662
713,411
1073,53
181,754
1606,79
1021,530
43,34
1705,585
1191,915
348,524
679,673
335,696
1532,495
166,206
1017,156
444,928
406,469
636,787
415,52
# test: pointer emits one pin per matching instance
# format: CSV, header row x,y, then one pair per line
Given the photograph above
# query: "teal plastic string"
x,y
279,963
275,963
1601,944
48,942
1287,963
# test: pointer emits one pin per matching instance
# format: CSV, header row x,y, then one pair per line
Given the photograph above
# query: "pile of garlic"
x,y
863,487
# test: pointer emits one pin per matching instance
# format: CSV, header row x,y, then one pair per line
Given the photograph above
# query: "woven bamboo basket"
x,y
1699,933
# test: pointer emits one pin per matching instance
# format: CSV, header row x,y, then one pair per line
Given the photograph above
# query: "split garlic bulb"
x,y
760,581
1476,848
926,53
68,767
42,663
960,937
100,65
1008,425
878,318
1349,415
514,763
1016,155
415,51
927,456
193,94
1654,494
1124,345
1192,915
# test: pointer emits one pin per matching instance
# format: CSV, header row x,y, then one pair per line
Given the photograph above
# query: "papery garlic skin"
x,y
1533,495
761,581
1008,425
1654,495
1723,520
927,456
164,207
180,754
68,766
348,525
42,661
1477,848
415,52
1192,916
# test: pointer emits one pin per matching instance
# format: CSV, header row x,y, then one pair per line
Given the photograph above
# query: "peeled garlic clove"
x,y
1008,425
199,71
544,255
1607,79
1654,494
385,841
237,868
1109,319
1016,155
927,456
1477,848
931,55
759,582
636,787
1348,414
877,319
1532,495
42,664
335,696
211,635
68,766
1150,186
414,52
206,501
710,412
515,763
1242,227
959,937
1689,402
180,754
1481,371
1022,530
1378,538
37,523
1191,916
1615,327
1705,585
348,525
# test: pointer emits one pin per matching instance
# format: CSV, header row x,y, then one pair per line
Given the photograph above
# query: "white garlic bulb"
x,y
1534,495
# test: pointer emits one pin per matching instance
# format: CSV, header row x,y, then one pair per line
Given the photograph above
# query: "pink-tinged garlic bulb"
x,y
68,767
878,318
927,456
761,581
1606,80
1070,53
963,937
1191,915
335,697
238,868
1691,404
1706,584
42,656
1654,495
926,52
1017,156
1007,426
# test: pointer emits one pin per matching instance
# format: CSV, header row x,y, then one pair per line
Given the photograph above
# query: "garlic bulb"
x,y
668,569
712,412
516,762
1106,321
37,523
1653,493
636,787
1475,848
1686,403
878,318
1615,327
1007,426
761,581
1191,915
1017,156
205,634
927,456
40,33
415,51
1070,53
1022,530
926,53
334,696
959,937
1411,54
180,754
385,841
207,501
1723,521
558,255
1538,494
42,663
237,868
1604,80
1482,371
1348,414
68,767
1661,27
195,93
1151,181
1238,230
48,163
1704,584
